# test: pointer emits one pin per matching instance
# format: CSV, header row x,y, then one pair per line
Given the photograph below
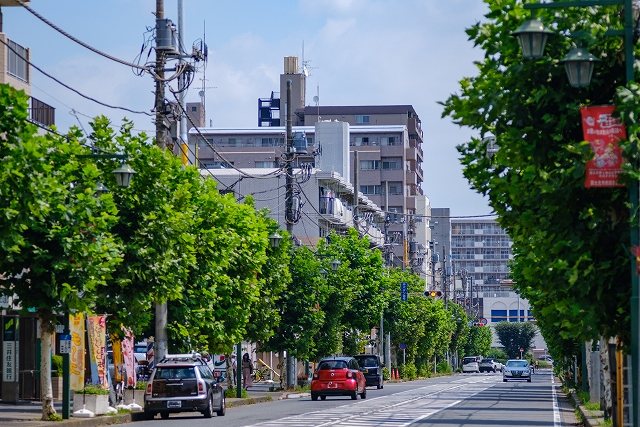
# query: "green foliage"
x,y
54,417
231,392
443,368
498,354
91,389
56,365
515,336
570,244
478,342
408,371
386,375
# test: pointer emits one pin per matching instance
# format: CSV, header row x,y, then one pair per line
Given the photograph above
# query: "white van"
x,y
471,364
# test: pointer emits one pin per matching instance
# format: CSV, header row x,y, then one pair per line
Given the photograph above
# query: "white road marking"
x,y
557,422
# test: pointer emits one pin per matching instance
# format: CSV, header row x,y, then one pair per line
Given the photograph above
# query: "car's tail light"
x,y
200,387
149,388
315,376
349,374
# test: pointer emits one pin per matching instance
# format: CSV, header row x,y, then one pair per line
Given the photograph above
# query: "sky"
x,y
359,52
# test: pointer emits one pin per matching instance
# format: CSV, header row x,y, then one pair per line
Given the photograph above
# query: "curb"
x,y
590,418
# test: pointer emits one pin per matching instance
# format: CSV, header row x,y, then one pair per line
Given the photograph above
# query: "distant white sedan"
x,y
516,369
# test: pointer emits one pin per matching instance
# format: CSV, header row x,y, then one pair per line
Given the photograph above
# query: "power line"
x,y
80,42
71,88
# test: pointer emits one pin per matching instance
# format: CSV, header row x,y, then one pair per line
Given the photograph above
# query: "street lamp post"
x,y
579,66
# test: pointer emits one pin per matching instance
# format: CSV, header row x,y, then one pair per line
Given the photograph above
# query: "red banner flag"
x,y
603,131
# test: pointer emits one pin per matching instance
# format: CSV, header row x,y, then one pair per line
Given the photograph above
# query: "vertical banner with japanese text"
x,y
97,327
10,346
76,357
603,132
129,356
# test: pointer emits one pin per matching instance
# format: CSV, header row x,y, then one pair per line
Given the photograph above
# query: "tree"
x,y
570,243
515,337
55,240
479,342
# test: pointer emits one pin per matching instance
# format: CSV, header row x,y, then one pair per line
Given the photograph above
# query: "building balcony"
x,y
41,113
414,126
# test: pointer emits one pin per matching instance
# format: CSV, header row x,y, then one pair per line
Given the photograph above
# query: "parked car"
x,y
516,369
371,368
471,364
490,364
183,383
338,376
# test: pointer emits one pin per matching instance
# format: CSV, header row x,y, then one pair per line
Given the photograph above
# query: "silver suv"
x,y
183,383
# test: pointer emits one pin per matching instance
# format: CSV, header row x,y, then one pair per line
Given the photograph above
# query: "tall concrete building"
x,y
388,142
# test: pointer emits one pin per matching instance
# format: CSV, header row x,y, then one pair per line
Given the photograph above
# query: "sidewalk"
x,y
27,414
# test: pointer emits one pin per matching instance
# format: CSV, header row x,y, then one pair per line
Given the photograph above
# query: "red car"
x,y
338,376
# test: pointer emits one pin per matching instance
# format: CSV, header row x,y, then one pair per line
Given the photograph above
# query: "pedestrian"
x,y
234,369
247,370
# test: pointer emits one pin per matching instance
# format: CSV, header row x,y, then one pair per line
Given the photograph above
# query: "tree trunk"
x,y
46,336
282,366
605,375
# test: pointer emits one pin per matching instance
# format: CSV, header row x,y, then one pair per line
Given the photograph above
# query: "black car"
x,y
372,369
183,383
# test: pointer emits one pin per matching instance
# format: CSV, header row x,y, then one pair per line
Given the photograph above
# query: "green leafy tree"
x,y
479,341
570,243
57,250
460,332
515,336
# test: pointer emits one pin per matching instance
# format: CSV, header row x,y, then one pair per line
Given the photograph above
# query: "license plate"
x,y
174,404
332,385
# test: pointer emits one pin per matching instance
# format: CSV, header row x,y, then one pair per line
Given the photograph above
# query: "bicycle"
x,y
262,373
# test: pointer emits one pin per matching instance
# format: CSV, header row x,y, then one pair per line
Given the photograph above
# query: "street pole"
x,y
239,370
444,278
66,378
160,306
182,124
356,190
290,364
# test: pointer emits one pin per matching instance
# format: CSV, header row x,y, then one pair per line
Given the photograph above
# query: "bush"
x,y
56,365
424,371
231,392
386,375
141,385
408,371
92,389
443,368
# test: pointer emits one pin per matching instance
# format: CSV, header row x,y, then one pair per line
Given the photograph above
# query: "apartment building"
x,y
388,142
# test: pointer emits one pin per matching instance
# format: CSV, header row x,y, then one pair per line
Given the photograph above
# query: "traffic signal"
x,y
433,294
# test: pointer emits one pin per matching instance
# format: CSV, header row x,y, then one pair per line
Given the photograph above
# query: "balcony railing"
x,y
41,113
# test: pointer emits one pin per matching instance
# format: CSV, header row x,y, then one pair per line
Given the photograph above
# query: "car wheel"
x,y
149,415
208,413
223,407
323,397
164,415
529,379
354,395
363,395
314,397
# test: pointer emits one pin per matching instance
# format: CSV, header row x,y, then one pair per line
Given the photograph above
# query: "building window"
x,y
368,165
371,189
16,61
362,120
392,163
395,188
498,316
394,213
265,164
216,165
194,109
231,142
513,316
270,142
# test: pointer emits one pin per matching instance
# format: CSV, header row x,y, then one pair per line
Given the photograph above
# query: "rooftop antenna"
x,y
202,92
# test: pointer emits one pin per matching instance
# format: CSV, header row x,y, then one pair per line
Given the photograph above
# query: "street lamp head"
x,y
101,188
123,175
532,37
578,64
274,239
335,264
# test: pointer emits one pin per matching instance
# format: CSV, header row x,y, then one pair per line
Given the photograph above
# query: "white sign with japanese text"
x,y
10,358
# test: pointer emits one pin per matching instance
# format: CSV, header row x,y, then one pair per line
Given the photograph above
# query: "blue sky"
x,y
361,52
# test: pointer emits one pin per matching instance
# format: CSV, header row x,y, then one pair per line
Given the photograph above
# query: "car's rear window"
x,y
486,361
367,361
174,372
469,360
332,364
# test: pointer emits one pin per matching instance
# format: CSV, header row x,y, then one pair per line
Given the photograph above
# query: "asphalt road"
x,y
461,400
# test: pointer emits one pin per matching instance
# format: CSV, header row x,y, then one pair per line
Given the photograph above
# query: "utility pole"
x,y
161,344
444,279
182,124
356,190
291,363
